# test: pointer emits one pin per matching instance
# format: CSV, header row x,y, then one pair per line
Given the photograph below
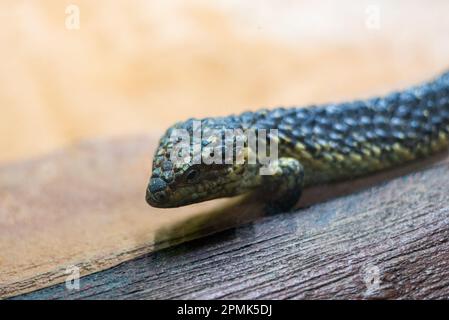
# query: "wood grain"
x,y
328,250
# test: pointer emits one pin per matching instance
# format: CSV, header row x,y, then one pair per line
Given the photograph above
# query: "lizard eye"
x,y
192,175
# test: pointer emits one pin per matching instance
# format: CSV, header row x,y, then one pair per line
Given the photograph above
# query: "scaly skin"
x,y
318,144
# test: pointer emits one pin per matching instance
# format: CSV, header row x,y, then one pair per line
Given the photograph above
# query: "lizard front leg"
x,y
284,185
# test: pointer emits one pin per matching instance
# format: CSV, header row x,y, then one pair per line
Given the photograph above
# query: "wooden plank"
x,y
85,206
388,240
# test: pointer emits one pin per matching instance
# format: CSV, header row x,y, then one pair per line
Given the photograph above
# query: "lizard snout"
x,y
156,192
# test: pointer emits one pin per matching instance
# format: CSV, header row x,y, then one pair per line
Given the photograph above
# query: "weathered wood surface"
x,y
395,231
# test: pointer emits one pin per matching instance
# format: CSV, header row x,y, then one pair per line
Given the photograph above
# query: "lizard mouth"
x,y
162,199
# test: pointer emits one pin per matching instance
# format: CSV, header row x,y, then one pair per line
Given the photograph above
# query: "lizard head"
x,y
180,178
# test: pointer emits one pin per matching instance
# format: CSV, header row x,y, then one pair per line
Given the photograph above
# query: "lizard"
x,y
316,144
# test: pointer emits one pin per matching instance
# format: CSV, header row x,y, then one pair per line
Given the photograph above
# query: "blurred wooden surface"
x,y
389,241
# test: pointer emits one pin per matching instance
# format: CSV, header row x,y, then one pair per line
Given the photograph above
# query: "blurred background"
x,y
87,69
